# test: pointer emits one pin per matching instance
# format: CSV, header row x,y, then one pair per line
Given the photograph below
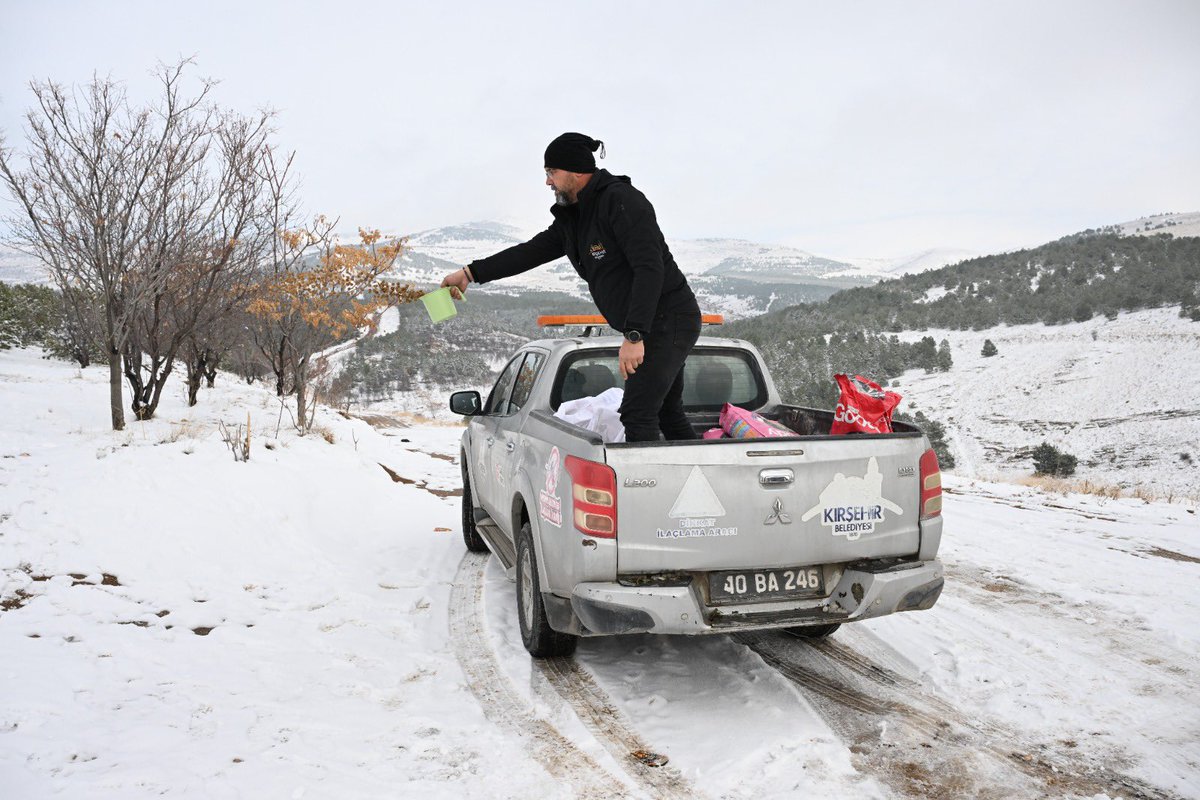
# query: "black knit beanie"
x,y
573,153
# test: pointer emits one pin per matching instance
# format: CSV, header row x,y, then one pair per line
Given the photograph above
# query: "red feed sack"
x,y
864,407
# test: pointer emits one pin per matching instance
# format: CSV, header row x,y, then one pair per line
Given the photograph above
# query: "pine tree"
x,y
926,354
989,349
944,360
1049,460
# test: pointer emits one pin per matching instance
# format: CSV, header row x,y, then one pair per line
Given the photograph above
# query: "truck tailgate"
x,y
761,503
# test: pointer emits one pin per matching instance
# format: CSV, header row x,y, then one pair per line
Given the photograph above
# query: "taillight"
x,y
931,486
593,497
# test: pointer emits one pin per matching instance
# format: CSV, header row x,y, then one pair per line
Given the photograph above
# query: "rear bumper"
x,y
609,608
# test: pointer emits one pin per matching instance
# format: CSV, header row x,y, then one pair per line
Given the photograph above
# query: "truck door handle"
x,y
776,477
510,446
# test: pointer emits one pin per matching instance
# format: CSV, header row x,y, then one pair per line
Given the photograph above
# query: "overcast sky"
x,y
846,129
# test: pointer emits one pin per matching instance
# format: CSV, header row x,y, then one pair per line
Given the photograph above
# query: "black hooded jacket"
x,y
612,238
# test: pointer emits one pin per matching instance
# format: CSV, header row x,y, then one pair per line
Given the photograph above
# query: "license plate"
x,y
764,585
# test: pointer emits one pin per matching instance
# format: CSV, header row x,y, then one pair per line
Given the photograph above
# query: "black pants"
x,y
654,392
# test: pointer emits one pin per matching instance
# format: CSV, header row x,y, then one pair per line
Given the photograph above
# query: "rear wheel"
x,y
539,638
814,631
471,537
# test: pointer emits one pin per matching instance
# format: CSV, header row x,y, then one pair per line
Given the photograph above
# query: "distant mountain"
x,y
466,242
17,267
433,253
1072,279
910,264
734,277
738,258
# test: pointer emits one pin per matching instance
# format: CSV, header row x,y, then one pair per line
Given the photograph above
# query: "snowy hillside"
x,y
732,277
308,625
434,253
1122,395
1175,224
459,244
908,264
737,258
17,267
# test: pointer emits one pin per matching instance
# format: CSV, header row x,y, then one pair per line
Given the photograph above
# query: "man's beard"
x,y
564,197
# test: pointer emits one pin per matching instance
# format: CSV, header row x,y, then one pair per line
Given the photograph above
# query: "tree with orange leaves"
x,y
300,311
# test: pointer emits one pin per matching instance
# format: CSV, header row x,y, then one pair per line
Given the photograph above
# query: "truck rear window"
x,y
711,378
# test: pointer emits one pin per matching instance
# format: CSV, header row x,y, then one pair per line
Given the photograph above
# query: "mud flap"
x,y
608,618
923,597
561,616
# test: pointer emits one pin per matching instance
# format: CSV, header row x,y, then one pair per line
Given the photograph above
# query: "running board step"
x,y
498,543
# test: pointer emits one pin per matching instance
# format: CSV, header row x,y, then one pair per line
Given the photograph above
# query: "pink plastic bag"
x,y
714,433
742,424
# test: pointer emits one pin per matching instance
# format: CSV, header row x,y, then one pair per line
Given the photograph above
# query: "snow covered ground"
x,y
1122,395
306,625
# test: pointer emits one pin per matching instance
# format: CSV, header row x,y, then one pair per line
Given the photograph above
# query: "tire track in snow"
x,y
606,722
503,706
922,745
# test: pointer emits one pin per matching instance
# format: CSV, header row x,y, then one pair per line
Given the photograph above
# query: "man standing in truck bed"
x,y
608,231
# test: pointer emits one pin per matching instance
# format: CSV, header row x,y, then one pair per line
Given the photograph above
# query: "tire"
x,y
539,638
471,537
814,631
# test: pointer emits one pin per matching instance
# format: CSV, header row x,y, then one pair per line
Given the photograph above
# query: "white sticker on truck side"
x,y
852,506
697,498
696,510
549,504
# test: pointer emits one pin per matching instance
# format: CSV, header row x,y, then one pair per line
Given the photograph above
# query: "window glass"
x,y
591,375
711,378
498,400
525,378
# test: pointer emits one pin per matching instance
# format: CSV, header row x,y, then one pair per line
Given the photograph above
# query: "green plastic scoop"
x,y
439,304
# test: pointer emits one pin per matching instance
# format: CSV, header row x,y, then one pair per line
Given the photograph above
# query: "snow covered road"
x,y
306,625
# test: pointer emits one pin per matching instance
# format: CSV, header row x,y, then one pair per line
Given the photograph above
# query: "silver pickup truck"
x,y
802,532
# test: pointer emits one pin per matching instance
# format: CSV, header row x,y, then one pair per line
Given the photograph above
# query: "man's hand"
x,y
631,356
457,281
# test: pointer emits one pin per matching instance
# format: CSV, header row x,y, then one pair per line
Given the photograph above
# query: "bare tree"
x,y
278,334
214,227
81,334
237,351
94,195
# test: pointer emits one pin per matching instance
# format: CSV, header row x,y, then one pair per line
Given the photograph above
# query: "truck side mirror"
x,y
466,403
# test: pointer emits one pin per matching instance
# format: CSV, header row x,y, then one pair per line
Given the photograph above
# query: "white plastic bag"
x,y
598,414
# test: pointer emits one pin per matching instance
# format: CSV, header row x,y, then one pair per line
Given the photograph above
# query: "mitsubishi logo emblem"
x,y
777,515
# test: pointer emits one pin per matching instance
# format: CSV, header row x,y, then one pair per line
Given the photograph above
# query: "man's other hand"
x,y
631,356
457,281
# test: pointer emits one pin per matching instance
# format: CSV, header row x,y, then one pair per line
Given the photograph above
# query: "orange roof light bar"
x,y
560,320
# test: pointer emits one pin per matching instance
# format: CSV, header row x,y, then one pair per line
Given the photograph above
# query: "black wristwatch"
x,y
633,336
